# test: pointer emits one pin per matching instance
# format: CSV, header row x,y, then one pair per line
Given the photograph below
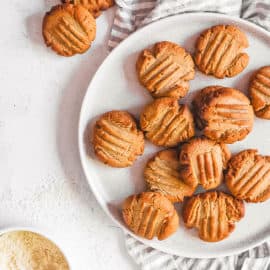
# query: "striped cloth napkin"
x,y
133,14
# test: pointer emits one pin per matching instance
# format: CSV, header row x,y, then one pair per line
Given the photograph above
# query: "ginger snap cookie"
x,y
69,29
149,215
219,51
166,123
165,70
117,141
202,161
214,214
259,91
224,114
248,176
93,6
162,175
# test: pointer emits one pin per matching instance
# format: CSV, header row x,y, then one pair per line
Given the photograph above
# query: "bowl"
x,y
37,231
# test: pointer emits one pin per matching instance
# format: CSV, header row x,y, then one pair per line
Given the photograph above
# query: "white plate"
x,y
115,86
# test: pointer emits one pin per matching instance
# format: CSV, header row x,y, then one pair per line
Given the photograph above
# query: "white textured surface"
x,y
41,180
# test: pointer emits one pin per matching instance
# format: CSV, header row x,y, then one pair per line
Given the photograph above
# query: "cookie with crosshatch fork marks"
x,y
213,213
162,175
165,70
166,123
69,29
259,91
149,215
248,176
202,161
224,114
117,141
93,6
219,51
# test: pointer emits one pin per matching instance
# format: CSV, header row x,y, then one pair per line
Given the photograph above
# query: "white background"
x,y
41,180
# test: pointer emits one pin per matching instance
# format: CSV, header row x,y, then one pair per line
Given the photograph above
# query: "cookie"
x,y
219,51
93,6
214,214
150,215
248,176
162,175
69,29
224,114
165,70
166,123
117,141
202,161
259,91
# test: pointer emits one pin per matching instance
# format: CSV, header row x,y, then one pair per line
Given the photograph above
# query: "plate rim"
x,y
234,251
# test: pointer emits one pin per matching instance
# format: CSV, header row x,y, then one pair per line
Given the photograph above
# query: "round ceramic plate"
x,y
115,87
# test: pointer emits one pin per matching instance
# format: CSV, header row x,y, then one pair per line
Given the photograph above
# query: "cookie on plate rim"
x,y
213,213
149,215
117,141
259,91
248,176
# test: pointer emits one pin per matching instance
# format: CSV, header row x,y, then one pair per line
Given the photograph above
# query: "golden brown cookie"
x,y
219,51
69,29
117,141
162,175
224,114
149,215
248,176
93,6
214,214
202,161
259,91
166,123
165,70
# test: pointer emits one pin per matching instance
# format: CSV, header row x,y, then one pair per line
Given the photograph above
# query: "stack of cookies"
x,y
70,28
224,115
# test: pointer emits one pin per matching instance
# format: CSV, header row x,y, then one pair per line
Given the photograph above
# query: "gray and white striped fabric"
x,y
151,259
133,14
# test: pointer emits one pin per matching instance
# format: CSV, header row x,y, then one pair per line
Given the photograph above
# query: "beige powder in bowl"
x,y
25,250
